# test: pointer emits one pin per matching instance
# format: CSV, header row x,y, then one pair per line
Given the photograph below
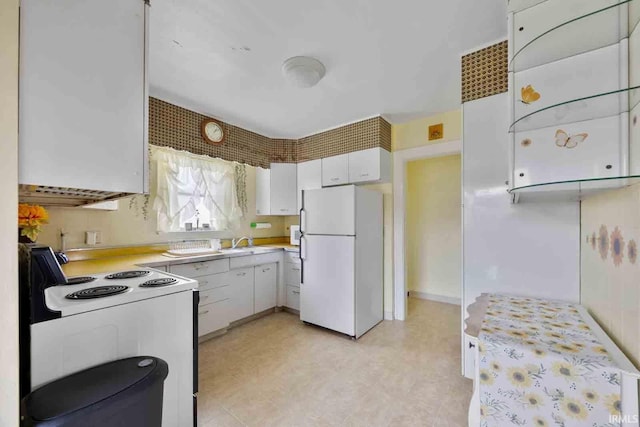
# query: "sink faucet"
x,y
236,242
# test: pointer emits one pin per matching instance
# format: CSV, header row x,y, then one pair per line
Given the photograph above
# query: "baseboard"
x,y
388,315
434,297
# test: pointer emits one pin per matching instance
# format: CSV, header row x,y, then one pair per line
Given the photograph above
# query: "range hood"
x,y
64,197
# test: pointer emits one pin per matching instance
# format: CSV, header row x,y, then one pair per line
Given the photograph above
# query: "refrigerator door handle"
x,y
303,219
303,255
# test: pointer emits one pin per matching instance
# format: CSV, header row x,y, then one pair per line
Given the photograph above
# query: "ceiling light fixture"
x,y
303,71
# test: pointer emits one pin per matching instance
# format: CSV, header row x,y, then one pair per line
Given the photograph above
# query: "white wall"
x,y
609,279
530,249
9,375
433,224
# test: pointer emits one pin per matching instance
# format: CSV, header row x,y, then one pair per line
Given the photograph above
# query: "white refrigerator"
x,y
341,249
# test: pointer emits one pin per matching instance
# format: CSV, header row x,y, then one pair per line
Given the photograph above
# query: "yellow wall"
x,y
433,224
609,285
416,132
128,227
9,399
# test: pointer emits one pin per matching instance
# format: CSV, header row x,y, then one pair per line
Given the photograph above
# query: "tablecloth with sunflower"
x,y
540,365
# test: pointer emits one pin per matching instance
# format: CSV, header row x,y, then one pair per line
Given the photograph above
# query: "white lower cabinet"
x,y
292,276
250,287
241,293
213,316
293,297
265,287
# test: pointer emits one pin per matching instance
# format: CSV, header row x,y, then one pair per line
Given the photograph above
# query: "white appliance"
x,y
149,313
341,249
295,235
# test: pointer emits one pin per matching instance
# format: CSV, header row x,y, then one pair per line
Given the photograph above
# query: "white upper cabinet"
x,y
83,94
369,165
309,178
276,190
588,149
263,191
284,189
556,29
569,83
335,170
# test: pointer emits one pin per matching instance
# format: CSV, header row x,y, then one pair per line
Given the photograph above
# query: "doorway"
x,y
433,224
400,161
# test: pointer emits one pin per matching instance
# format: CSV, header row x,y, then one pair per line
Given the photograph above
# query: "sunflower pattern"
x,y
541,365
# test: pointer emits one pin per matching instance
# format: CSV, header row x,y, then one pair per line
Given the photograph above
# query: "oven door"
x,y
160,327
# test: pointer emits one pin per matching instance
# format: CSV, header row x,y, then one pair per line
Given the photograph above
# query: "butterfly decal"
x,y
528,95
565,140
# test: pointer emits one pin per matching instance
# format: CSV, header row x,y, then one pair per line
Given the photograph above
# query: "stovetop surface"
x,y
57,300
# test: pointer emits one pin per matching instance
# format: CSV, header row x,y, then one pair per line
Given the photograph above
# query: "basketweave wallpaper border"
x,y
179,128
485,72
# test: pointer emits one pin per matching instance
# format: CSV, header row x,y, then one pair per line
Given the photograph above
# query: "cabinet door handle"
x,y
296,292
295,269
283,210
335,179
364,174
201,313
241,274
471,345
200,266
264,270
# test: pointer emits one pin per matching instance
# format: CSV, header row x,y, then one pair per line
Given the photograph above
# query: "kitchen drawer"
x,y
213,317
293,297
292,274
579,76
214,295
199,269
538,159
213,281
292,257
245,261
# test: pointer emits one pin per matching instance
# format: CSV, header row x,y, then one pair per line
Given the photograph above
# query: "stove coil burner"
x,y
156,283
133,274
80,280
97,292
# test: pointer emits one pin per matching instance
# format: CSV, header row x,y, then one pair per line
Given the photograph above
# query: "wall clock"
x,y
212,131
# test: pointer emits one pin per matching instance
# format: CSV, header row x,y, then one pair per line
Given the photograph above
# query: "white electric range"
x,y
107,317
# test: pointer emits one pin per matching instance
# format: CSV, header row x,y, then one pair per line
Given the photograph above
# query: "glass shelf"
x,y
588,32
570,190
577,110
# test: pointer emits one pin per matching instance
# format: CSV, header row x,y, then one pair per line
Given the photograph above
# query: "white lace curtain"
x,y
182,181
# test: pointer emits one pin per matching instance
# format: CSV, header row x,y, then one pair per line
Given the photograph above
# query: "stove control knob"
x,y
144,363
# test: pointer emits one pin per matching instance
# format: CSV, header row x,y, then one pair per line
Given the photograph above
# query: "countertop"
x,y
127,262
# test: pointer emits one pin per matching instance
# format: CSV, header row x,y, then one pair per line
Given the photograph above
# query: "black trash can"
x,y
123,393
